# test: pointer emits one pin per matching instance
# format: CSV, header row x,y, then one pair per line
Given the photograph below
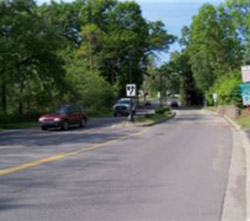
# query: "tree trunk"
x,y
20,103
3,97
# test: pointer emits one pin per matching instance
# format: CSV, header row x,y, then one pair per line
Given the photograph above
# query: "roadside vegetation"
x,y
81,52
17,121
161,114
86,51
214,47
244,122
211,108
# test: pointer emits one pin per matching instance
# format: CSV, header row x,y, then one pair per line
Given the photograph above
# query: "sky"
x,y
174,14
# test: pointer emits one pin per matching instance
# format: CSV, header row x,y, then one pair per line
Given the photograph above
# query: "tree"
x,y
123,41
214,46
227,89
30,52
240,11
108,39
180,64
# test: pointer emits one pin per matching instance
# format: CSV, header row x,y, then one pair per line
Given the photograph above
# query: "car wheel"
x,y
83,123
65,125
44,128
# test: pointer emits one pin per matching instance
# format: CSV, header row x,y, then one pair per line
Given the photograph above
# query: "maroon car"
x,y
63,116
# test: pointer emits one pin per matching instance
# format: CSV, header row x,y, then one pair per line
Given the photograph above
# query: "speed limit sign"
x,y
131,90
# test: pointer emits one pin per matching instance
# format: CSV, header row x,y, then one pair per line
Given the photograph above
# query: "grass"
x,y
14,121
101,113
19,125
244,121
211,108
153,118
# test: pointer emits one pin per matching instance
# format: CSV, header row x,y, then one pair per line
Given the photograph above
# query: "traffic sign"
x,y
246,100
244,89
131,90
245,93
215,97
245,71
159,94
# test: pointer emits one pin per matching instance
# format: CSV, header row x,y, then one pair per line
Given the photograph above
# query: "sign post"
x,y
131,92
215,98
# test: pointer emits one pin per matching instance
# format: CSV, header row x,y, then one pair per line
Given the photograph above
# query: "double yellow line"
x,y
56,157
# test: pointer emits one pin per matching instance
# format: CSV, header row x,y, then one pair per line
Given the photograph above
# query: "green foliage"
x,y
240,11
88,87
14,121
182,79
163,110
227,88
214,45
83,51
29,56
244,122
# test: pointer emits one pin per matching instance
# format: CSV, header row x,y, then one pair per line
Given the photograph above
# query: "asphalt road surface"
x,y
174,171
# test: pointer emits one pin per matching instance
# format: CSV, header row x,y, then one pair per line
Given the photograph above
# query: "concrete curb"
x,y
158,122
246,146
236,126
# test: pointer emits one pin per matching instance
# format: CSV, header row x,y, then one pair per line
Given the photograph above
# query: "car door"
x,y
72,115
79,114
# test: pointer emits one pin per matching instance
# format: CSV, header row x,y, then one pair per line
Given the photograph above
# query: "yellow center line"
x,y
56,157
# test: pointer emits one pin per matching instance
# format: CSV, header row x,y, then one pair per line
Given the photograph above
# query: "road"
x,y
174,171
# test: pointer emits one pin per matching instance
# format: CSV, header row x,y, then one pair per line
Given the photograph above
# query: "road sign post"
x,y
215,98
131,92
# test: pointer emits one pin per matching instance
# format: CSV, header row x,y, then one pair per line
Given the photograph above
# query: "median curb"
x,y
246,146
157,122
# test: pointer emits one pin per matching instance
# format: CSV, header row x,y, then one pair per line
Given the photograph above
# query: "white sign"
x,y
141,93
245,71
131,90
215,97
246,100
159,94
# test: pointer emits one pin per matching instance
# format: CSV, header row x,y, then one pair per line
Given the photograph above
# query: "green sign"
x,y
244,89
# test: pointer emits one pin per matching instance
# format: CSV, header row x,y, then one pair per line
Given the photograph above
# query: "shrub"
x,y
227,88
163,110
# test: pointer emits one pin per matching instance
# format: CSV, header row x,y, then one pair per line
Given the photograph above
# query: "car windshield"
x,y
123,102
59,110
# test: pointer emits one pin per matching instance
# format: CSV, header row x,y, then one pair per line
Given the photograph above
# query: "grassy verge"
x,y
12,121
211,108
244,122
101,113
20,125
151,119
